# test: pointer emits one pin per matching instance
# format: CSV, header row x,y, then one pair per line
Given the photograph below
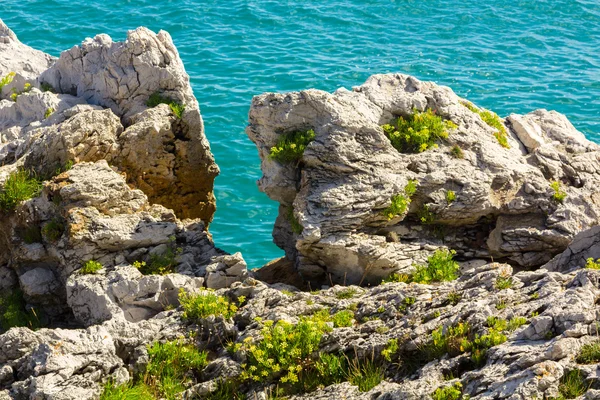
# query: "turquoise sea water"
x,y
506,55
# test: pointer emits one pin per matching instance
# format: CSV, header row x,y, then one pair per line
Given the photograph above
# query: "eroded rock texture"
x,y
98,111
504,207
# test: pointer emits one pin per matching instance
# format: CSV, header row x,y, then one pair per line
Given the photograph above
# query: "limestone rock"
x,y
504,207
102,219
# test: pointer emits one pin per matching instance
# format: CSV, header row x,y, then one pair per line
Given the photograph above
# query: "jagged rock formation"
x,y
165,156
504,207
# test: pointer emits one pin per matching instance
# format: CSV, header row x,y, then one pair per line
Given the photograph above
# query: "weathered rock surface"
x,y
504,207
99,112
99,217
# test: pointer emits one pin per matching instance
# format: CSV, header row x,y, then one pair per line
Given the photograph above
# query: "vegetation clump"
x,y
290,147
53,230
21,185
418,132
365,374
91,267
572,385
342,318
460,339
453,392
589,353
440,267
296,226
491,119
400,202
13,312
591,264
49,111
426,216
450,196
156,98
504,282
559,195
129,391
391,348
284,351
204,304
457,152
161,264
170,365
397,278
347,293
6,80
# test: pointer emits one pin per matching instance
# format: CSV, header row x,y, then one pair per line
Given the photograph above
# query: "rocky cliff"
x,y
111,287
483,198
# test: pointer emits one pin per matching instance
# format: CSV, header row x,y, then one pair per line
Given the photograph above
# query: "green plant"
x,y
450,196
418,132
342,318
453,392
170,366
32,234
535,296
454,298
440,267
287,293
457,152
496,323
227,389
382,329
504,282
15,93
290,147
391,348
296,226
589,353
6,80
559,195
397,278
21,185
501,305
425,215
46,87
591,264
53,230
284,350
90,267
400,202
364,373
204,304
572,384
161,264
176,108
491,119
347,293
515,323
13,312
128,391
49,112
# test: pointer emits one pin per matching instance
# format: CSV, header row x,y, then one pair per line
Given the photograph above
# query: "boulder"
x,y
504,205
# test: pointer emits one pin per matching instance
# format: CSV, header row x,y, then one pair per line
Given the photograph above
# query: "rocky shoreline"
x,y
462,265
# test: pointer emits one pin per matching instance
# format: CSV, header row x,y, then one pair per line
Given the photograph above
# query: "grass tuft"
x,y
156,98
342,318
129,391
589,353
397,278
13,312
457,152
440,267
572,384
493,120
417,133
290,147
205,304
347,293
53,230
170,366
20,186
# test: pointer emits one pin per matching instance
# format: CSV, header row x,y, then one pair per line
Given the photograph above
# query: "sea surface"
x,y
510,56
